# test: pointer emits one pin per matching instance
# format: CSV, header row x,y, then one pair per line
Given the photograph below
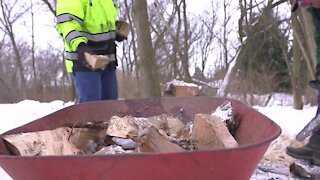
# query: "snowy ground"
x,y
280,111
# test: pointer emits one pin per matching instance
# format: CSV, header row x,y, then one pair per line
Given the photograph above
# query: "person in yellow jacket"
x,y
89,26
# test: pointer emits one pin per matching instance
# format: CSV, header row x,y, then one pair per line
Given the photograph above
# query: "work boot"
x,y
310,152
316,158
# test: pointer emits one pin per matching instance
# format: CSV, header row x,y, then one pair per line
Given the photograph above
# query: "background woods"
x,y
230,48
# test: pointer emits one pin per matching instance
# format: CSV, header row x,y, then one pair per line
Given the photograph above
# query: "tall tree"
x,y
146,52
186,45
206,37
33,45
8,17
304,48
251,28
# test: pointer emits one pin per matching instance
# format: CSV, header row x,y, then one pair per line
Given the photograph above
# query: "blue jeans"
x,y
95,86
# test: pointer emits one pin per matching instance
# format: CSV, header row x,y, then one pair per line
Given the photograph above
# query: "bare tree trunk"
x,y
174,35
134,47
303,29
226,19
176,44
223,90
33,48
7,20
185,58
232,69
8,92
307,45
295,78
146,52
243,14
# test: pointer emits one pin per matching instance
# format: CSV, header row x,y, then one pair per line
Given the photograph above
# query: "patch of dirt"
x,y
275,162
276,152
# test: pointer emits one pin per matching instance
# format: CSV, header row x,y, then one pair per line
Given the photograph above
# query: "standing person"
x,y
89,26
311,151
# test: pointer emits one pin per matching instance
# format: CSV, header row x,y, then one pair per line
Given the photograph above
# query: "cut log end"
x,y
211,133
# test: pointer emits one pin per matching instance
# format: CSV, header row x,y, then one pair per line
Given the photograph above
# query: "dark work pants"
x,y
318,101
95,86
318,110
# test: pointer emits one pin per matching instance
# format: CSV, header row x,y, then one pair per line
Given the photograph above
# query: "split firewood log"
x,y
225,113
44,143
154,142
210,132
122,127
174,125
87,139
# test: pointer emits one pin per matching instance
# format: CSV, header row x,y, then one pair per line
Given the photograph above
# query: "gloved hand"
x,y
123,29
82,49
317,75
120,38
316,83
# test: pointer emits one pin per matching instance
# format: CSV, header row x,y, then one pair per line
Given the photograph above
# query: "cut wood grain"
x,y
211,133
97,61
154,142
44,143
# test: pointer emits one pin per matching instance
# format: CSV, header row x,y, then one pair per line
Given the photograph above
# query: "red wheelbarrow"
x,y
254,135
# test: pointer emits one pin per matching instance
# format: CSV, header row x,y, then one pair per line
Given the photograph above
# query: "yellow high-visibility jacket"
x,y
90,21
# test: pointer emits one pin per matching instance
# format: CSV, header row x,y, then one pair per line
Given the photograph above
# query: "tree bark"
x,y
146,52
304,34
185,58
33,48
296,80
7,23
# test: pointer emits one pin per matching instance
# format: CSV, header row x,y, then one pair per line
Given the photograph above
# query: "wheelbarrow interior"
x,y
254,135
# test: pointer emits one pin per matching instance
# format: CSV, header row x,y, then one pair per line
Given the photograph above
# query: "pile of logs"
x,y
158,134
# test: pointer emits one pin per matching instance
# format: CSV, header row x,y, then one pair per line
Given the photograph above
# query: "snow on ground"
x,y
290,120
14,115
279,110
